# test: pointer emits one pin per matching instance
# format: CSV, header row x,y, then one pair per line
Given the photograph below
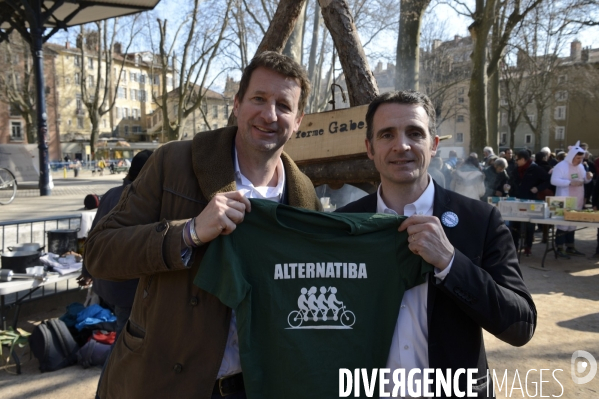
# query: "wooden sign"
x,y
329,135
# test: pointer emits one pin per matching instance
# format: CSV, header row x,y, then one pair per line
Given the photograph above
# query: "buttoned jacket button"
x,y
161,227
177,369
194,301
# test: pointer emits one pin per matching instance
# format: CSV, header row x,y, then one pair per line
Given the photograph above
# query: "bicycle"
x,y
296,317
8,186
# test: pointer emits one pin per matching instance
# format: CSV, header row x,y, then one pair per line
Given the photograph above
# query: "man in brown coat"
x,y
181,342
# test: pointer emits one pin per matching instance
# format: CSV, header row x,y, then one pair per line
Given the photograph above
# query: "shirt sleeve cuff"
x,y
441,274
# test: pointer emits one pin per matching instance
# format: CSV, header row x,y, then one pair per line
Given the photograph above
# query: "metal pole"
x,y
37,33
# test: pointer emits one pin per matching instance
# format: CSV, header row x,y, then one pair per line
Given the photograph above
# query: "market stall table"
x,y
552,222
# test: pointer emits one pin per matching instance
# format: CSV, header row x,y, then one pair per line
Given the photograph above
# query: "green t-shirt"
x,y
313,292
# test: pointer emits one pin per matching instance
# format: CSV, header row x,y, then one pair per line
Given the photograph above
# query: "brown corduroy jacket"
x,y
174,341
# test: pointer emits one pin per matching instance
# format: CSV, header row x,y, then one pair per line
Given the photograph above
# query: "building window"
x,y
226,110
503,119
215,111
561,79
560,112
203,129
90,81
560,133
528,139
561,95
69,122
78,103
204,108
126,130
80,122
77,78
215,126
156,79
460,100
16,131
532,118
143,96
67,81
460,118
459,137
461,90
125,113
142,78
104,122
118,112
14,110
90,62
503,138
77,60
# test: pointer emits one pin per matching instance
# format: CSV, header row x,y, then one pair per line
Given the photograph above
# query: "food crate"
x,y
557,205
582,216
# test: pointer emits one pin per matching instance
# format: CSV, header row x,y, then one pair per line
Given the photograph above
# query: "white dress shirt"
x,y
409,346
231,363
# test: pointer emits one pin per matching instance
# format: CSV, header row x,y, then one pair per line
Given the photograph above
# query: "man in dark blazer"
x,y
477,281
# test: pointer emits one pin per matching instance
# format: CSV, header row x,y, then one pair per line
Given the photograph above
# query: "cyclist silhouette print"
x,y
317,310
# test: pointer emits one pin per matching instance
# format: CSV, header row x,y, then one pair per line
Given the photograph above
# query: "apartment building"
x,y
133,98
18,92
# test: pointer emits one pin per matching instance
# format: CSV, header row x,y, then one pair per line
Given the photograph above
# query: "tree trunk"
x,y
294,46
281,26
493,115
408,44
479,31
361,85
30,125
314,45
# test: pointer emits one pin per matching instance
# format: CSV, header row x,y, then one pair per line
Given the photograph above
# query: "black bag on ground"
x,y
53,345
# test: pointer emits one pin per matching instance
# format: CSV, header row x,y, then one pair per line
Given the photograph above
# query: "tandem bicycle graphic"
x,y
324,312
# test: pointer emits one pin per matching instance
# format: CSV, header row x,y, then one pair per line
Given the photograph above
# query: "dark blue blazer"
x,y
484,289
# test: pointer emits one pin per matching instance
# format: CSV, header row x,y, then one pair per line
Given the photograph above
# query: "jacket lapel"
x,y
213,162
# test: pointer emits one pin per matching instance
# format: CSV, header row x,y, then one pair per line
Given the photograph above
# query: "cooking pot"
x,y
27,246
61,241
18,261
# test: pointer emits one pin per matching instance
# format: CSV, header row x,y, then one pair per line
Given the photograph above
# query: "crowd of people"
x,y
525,175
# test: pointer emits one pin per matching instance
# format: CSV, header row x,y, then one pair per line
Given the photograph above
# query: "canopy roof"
x,y
65,13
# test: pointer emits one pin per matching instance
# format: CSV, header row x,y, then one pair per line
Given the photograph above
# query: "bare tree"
x,y
514,97
408,44
98,92
17,82
201,46
361,85
486,53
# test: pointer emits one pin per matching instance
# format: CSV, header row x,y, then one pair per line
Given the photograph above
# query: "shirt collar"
x,y
247,188
422,206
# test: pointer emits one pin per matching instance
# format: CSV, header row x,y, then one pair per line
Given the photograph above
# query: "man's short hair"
x,y
500,162
546,150
452,153
409,97
281,64
489,150
523,154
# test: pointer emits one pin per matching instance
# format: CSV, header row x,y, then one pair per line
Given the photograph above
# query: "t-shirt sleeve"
x,y
221,273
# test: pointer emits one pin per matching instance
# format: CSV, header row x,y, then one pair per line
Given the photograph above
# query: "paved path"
x,y
66,197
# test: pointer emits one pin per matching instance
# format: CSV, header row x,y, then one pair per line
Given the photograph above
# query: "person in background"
x,y
116,295
528,180
569,178
435,170
488,153
468,179
500,178
511,162
588,167
596,208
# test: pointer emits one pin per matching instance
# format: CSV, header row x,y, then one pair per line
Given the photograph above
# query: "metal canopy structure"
x,y
31,18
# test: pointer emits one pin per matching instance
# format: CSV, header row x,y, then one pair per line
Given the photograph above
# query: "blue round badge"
x,y
449,219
